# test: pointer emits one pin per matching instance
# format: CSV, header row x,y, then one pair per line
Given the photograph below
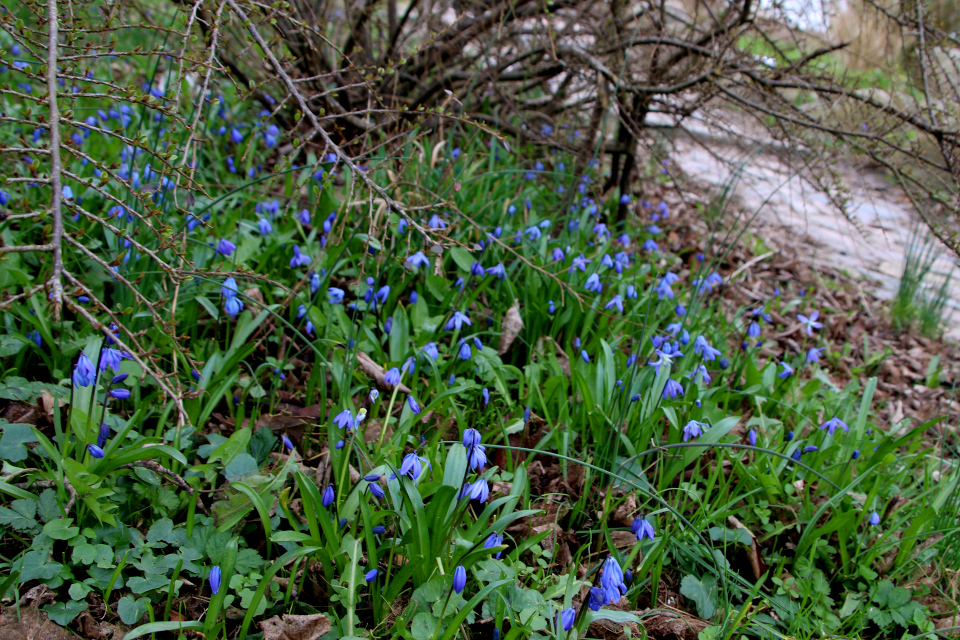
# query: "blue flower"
x,y
642,528
392,377
787,371
494,540
388,325
379,530
567,617
833,424
551,308
287,443
813,355
650,245
855,455
672,389
412,466
111,358
418,260
585,356
874,519
611,581
497,270
376,490
702,348
579,262
752,437
459,579
236,136
465,353
456,321
328,496
702,372
383,293
401,226
476,457
694,429
95,451
479,490
625,198
103,435
233,306
436,222
83,372
229,288
335,295
593,284
225,247
215,573
344,419
299,259
120,394
753,330
371,575
597,599
811,322
558,255
413,405
615,302
304,217
486,396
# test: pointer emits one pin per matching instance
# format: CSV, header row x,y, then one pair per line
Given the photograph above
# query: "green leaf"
x,y
78,591
20,515
61,529
248,560
233,447
162,531
159,627
11,345
17,388
15,436
730,536
63,612
242,466
262,443
214,440
37,566
131,610
424,626
48,507
702,592
147,583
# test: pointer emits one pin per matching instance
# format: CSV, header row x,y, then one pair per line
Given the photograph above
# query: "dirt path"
x,y
796,210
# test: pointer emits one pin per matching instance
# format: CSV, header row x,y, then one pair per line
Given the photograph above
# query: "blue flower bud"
x,y
95,451
120,394
215,577
379,530
459,579
371,575
328,496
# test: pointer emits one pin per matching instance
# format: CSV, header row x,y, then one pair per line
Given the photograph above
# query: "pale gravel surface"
x,y
799,211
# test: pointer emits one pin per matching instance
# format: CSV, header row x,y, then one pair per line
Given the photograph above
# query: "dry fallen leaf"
x,y
308,627
512,326
33,624
376,372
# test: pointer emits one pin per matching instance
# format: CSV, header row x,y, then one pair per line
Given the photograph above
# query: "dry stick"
x,y
186,153
54,124
176,479
315,123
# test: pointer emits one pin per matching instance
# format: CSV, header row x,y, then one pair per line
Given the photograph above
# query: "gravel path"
x,y
883,214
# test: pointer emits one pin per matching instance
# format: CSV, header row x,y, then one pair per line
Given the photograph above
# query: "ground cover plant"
x,y
273,404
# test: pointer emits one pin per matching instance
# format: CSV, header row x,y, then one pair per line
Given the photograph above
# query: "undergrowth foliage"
x,y
244,379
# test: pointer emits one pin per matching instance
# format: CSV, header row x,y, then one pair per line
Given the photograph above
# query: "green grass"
x,y
136,539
